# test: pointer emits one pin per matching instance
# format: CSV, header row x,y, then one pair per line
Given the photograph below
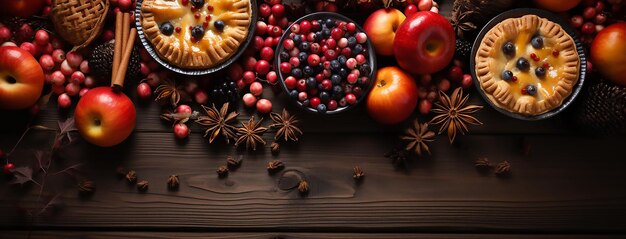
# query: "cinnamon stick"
x,y
117,50
126,29
123,67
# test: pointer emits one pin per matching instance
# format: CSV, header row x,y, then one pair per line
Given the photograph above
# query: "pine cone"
x,y
602,109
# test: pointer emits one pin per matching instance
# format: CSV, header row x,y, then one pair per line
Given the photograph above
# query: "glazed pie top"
x,y
527,65
196,34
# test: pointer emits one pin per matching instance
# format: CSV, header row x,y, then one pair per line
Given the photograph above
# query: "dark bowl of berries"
x,y
326,64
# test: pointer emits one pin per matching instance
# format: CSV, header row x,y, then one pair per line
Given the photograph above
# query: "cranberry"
x,y
455,74
74,59
90,82
271,77
294,52
42,38
314,102
46,62
77,78
248,100
351,63
315,48
425,106
331,43
351,27
7,168
72,89
444,85
29,47
336,33
350,98
201,97
360,59
57,78
295,28
326,85
5,34
589,13
265,10
410,9
264,106
301,85
278,10
347,52
144,69
83,91
467,81
342,42
183,109
588,28
288,44
315,25
181,131
267,53
261,28
600,19
313,60
84,67
285,67
577,21
294,61
302,96
64,101
361,37
249,77
290,82
66,69
352,78
256,88
330,54
305,27
269,42
144,91
249,63
275,31
332,105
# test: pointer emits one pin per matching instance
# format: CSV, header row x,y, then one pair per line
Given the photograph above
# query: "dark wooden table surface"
x,y
563,184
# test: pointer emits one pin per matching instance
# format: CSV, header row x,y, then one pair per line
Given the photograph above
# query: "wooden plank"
x,y
567,184
276,235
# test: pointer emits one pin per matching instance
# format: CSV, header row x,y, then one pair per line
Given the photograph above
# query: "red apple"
x,y
424,43
105,117
381,27
608,52
21,8
21,78
394,96
556,5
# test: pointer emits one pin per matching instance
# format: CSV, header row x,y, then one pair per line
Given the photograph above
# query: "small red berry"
x,y
555,53
285,67
267,53
248,100
7,168
271,77
305,27
425,106
262,67
337,34
265,10
181,131
410,9
588,28
350,98
64,101
42,38
314,102
249,77
209,7
278,10
290,82
589,13
264,106
256,88
313,60
183,109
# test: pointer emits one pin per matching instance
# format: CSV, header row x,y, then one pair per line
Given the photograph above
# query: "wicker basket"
x,y
79,22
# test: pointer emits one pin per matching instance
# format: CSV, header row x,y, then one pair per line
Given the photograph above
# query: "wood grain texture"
x,y
196,235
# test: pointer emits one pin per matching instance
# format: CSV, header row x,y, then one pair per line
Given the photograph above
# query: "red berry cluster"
x,y
256,65
593,16
324,5
151,72
430,85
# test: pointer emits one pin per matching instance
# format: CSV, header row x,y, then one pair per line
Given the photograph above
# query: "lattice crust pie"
x,y
196,34
527,65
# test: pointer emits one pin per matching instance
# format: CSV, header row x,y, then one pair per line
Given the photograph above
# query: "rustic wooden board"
x,y
194,235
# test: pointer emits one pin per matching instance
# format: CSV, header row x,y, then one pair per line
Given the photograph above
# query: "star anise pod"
x,y
287,126
142,185
86,187
222,171
275,166
303,187
167,91
399,157
358,173
275,148
417,137
503,169
453,114
482,164
173,182
218,122
131,176
251,133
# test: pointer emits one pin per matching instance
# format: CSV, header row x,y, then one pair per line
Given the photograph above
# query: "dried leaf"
x,y
66,127
22,175
53,203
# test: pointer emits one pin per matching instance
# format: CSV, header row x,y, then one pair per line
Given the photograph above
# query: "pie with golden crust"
x,y
196,34
527,65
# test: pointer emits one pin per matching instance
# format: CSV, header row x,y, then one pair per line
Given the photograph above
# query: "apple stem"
x,y
381,84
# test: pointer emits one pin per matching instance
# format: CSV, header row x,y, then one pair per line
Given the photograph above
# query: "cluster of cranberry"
x,y
594,17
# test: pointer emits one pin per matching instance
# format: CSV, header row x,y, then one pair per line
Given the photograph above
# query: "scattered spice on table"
x,y
251,133
275,148
503,169
131,176
86,187
482,164
142,185
275,166
417,137
287,126
233,163
453,115
218,122
167,91
399,156
173,182
358,173
222,171
303,187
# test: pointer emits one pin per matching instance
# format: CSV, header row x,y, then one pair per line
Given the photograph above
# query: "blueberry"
x,y
357,49
197,3
335,65
219,25
347,89
540,72
342,60
508,48
330,23
167,28
351,41
318,35
335,79
302,56
304,46
365,69
197,32
296,72
297,39
321,108
311,83
326,32
537,42
293,94
337,90
337,95
507,75
343,72
522,64
324,97
284,56
307,70
531,89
